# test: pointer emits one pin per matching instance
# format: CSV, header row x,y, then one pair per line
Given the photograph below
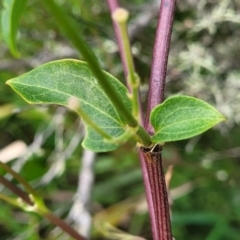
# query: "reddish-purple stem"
x,y
160,58
113,4
54,219
153,160
147,186
15,189
64,226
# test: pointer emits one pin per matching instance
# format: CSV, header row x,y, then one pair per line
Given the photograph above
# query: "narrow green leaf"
x,y
11,15
60,81
182,117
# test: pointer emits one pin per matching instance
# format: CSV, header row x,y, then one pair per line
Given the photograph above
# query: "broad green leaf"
x,y
59,81
11,15
182,117
68,26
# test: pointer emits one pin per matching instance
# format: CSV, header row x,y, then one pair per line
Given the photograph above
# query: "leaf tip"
x,y
8,82
223,119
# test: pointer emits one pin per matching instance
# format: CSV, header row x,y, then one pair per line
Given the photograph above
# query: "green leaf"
x,y
11,15
59,81
70,28
182,117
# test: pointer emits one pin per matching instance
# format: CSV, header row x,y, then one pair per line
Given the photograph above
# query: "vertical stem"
x,y
126,48
120,16
113,5
153,159
148,193
159,192
160,58
151,162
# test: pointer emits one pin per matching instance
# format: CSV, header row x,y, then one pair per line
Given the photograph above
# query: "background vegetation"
x,y
204,62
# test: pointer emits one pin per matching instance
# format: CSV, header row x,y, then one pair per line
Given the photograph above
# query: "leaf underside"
x,y
11,15
59,81
182,117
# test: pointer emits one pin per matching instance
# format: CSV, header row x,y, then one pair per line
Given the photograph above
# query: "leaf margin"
x,y
158,136
85,143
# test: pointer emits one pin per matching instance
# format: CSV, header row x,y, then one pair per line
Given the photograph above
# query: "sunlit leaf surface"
x,y
182,117
61,81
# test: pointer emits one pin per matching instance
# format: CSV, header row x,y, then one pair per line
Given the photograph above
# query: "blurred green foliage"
x,y
204,63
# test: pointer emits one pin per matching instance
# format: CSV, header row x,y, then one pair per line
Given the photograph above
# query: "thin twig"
x,y
59,157
64,226
15,189
58,154
80,209
113,5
